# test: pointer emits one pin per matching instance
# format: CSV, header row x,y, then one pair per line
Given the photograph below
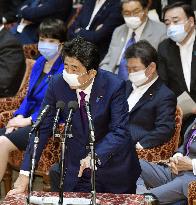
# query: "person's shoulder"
x,y
113,81
120,28
164,90
166,43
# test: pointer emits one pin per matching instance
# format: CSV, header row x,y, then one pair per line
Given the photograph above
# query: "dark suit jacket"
x,y
109,109
60,9
8,9
192,151
12,64
109,16
32,102
152,119
170,68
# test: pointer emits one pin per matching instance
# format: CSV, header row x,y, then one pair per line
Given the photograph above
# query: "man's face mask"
x,y
132,22
138,78
48,50
176,33
72,79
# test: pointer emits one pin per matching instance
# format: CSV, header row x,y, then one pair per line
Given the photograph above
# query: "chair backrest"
x,y
192,193
166,150
12,103
30,51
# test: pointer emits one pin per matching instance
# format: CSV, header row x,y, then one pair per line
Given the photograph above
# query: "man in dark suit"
x,y
33,12
177,65
12,63
169,182
118,167
151,104
96,23
8,9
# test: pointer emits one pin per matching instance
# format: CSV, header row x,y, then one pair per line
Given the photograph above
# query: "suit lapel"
x,y
97,94
193,68
101,10
147,32
148,95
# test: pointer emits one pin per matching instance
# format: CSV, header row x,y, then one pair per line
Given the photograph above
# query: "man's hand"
x,y
184,164
194,111
173,162
19,122
20,186
84,164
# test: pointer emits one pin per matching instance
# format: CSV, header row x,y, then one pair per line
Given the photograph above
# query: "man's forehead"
x,y
175,13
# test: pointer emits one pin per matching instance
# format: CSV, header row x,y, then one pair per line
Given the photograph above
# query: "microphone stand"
x,y
92,155
33,162
62,160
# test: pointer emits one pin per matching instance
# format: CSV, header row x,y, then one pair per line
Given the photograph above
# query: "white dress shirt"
x,y
137,93
87,91
98,5
186,58
138,33
1,28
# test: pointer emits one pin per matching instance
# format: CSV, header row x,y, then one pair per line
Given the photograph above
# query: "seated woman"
x,y
15,135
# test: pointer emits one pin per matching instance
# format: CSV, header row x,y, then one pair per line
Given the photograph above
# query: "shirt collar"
x,y
86,90
190,41
139,30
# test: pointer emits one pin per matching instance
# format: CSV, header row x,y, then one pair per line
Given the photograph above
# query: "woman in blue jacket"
x,y
15,135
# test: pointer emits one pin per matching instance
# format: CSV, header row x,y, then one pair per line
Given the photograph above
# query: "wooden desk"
x,y
105,199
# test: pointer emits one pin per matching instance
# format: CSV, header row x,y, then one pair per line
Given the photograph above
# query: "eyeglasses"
x,y
133,13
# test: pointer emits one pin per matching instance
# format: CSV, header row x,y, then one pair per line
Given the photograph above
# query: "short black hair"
x,y
144,3
186,7
142,50
82,50
53,28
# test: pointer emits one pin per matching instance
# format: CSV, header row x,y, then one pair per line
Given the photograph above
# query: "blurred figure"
x,y
16,134
8,9
31,14
137,27
12,63
169,182
96,23
151,120
177,61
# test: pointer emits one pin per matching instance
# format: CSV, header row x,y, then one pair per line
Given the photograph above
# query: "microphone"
x,y
41,116
60,105
72,106
90,122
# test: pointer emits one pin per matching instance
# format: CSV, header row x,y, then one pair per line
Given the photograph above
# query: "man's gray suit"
x,y
167,186
154,32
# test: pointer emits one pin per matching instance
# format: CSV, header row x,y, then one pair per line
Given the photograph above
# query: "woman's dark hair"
x,y
53,28
144,3
142,50
186,7
83,51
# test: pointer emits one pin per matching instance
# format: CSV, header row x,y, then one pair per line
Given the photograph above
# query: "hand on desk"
x,y
20,186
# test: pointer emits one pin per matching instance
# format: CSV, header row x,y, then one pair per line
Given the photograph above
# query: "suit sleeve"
x,y
106,61
117,137
37,14
45,129
164,123
162,65
106,29
11,61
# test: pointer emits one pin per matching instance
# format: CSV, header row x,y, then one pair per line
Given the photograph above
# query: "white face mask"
x,y
176,33
72,79
132,22
138,78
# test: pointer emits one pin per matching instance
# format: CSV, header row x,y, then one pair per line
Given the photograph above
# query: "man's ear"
x,y
151,69
92,73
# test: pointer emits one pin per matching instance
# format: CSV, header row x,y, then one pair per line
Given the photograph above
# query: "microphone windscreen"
x,y
60,104
73,105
